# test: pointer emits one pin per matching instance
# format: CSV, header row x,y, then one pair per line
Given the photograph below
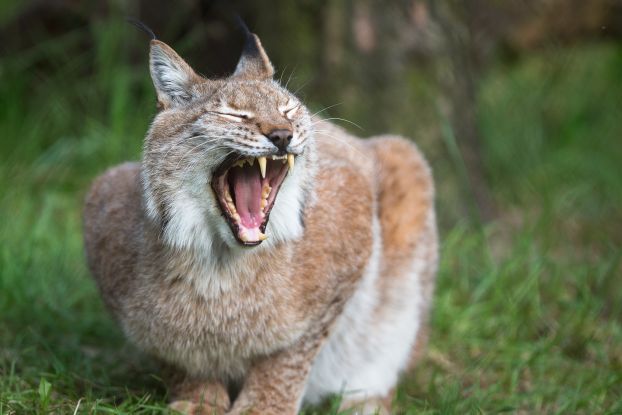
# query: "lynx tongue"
x,y
247,191
247,195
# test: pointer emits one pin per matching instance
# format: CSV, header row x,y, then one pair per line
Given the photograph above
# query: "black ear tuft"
x,y
141,26
250,47
242,24
254,62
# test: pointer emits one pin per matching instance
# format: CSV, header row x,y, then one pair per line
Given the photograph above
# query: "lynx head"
x,y
227,162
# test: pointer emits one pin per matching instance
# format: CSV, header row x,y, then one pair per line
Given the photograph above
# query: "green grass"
x,y
527,315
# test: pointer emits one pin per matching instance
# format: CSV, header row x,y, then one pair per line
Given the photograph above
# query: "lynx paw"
x,y
367,407
198,397
192,408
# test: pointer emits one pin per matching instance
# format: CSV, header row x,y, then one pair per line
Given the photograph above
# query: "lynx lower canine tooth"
x,y
244,236
290,161
262,166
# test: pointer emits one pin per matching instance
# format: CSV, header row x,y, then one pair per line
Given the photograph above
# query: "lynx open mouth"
x,y
246,189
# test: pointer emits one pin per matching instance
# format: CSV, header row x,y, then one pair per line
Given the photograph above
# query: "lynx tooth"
x,y
290,161
262,166
244,236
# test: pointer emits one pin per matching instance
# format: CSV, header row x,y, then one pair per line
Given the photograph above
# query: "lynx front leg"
x,y
196,397
275,385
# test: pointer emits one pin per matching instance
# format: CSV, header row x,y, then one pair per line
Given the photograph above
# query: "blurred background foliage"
x,y
517,104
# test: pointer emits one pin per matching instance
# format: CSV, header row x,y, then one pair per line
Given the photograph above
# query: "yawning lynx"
x,y
270,257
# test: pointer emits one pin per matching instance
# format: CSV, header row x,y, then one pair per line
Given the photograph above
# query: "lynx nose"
x,y
280,138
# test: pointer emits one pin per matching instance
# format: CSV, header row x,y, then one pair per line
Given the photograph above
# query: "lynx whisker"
x,y
190,151
290,76
207,140
325,108
325,133
340,119
282,72
302,86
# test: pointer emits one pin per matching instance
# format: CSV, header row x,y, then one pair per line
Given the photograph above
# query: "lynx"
x,y
269,257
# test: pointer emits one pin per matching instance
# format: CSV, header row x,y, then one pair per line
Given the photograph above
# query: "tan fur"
x,y
197,397
254,317
407,216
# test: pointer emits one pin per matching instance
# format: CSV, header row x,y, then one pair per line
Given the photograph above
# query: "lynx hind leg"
x,y
407,219
405,196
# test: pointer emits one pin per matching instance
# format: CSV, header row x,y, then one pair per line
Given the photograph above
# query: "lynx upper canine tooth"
x,y
290,161
262,166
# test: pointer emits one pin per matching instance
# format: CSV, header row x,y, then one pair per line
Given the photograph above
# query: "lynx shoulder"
x,y
256,248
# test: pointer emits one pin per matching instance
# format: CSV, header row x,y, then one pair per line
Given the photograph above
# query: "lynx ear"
x,y
254,62
172,77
